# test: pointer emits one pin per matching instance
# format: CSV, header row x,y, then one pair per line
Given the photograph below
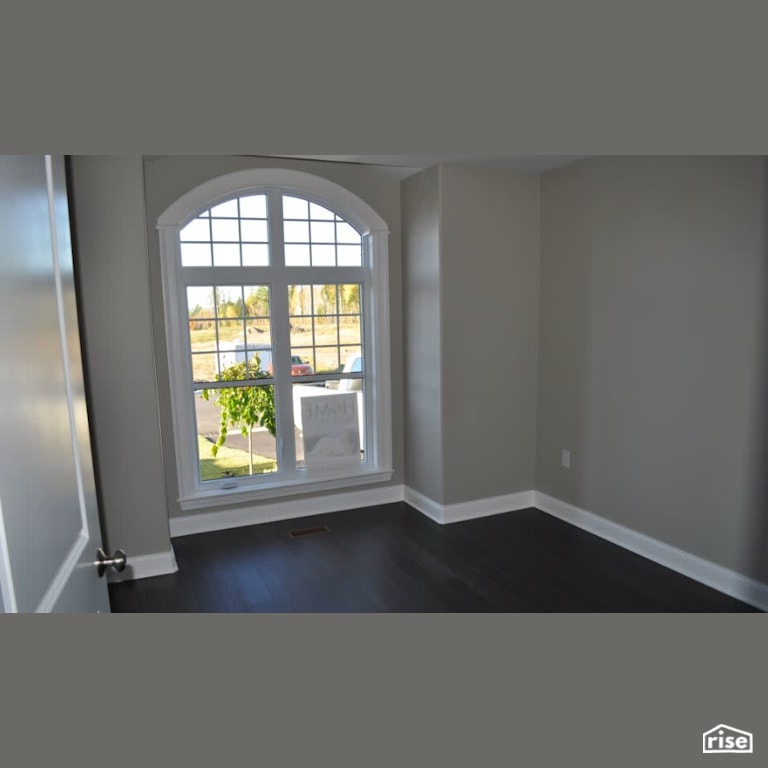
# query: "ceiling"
x,y
532,163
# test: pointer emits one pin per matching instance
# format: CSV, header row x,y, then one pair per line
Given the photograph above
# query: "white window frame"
x,y
195,494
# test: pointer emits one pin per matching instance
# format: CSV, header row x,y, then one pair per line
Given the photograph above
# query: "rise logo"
x,y
725,739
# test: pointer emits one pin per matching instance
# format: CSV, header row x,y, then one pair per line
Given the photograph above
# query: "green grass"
x,y
230,460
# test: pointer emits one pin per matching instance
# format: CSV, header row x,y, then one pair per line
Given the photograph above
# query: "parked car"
x,y
353,365
298,367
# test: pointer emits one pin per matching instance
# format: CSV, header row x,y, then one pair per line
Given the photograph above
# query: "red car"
x,y
298,367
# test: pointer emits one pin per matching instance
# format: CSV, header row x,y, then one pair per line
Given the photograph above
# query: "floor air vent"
x,y
308,532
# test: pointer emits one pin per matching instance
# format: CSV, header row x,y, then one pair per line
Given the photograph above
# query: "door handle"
x,y
117,561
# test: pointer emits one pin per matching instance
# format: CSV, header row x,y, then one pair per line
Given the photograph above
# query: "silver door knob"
x,y
117,561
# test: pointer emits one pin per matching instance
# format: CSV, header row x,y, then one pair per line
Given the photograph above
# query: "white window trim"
x,y
193,494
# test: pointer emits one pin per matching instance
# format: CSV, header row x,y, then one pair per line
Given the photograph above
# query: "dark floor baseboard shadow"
x,y
391,558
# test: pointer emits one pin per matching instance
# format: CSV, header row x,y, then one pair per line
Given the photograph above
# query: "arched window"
x,y
275,288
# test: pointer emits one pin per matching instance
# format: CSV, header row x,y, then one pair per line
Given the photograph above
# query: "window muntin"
x,y
231,234
315,236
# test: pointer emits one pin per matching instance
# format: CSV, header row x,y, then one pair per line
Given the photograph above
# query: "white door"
x,y
49,525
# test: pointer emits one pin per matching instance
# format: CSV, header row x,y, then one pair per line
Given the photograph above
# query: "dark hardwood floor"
x,y
393,558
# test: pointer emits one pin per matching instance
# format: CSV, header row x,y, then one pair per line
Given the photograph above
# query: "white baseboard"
x,y
423,504
705,572
496,505
283,510
145,566
468,510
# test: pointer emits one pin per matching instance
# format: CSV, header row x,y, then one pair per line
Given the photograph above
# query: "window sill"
x,y
216,497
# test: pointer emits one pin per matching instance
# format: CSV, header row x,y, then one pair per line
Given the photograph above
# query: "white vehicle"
x,y
353,365
237,354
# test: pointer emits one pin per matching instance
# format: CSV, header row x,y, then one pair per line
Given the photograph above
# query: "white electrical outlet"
x,y
565,458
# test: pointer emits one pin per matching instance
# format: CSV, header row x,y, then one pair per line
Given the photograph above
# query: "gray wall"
x,y
564,307
652,347
489,243
108,204
471,243
423,413
168,178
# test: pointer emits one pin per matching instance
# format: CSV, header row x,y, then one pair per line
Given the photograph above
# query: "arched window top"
x,y
315,189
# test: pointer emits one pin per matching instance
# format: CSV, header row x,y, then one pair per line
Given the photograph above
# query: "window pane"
x,y
231,343
195,255
231,458
259,357
352,361
347,234
254,231
349,299
202,336
256,301
229,301
228,209
229,360
296,255
303,356
326,330
226,255
231,346
318,212
255,255
299,300
301,331
197,229
349,255
325,300
200,301
296,231
327,359
323,232
225,230
323,255
294,208
349,329
204,367
254,206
